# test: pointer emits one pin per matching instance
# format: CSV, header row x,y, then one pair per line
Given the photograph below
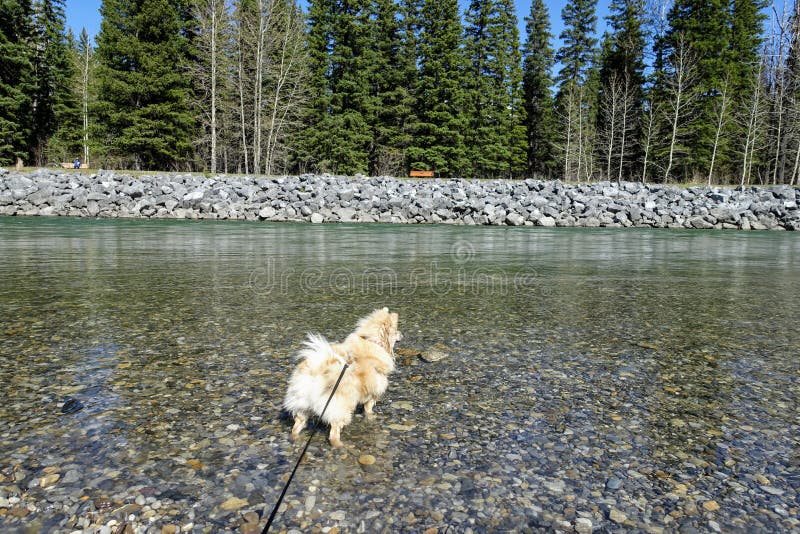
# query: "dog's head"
x,y
381,327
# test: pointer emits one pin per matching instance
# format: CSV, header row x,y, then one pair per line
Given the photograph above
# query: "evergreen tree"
x,y
440,96
66,142
340,48
577,81
706,27
144,92
538,61
746,41
621,74
312,151
578,51
16,80
495,135
392,72
53,98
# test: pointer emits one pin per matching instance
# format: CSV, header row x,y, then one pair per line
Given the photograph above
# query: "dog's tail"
x,y
319,352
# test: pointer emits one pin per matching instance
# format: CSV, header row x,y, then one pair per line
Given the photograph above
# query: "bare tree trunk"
x,y
286,90
580,132
240,68
649,132
626,110
85,102
569,134
214,38
609,110
682,85
258,85
720,124
750,137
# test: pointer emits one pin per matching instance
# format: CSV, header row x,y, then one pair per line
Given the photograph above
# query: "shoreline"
x,y
330,199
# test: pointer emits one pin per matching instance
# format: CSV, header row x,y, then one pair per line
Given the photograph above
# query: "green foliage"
x,y
577,53
538,62
440,96
16,80
66,142
495,136
706,27
143,99
621,75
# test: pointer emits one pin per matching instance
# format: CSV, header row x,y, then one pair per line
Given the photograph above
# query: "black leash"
x,y
313,431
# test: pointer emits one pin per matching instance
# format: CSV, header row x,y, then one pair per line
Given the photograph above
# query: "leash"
x,y
303,453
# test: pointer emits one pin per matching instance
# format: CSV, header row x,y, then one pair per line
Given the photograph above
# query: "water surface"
x,y
634,379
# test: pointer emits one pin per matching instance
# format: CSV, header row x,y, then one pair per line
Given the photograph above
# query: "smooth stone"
x,y
316,218
338,515
583,525
616,516
234,503
366,459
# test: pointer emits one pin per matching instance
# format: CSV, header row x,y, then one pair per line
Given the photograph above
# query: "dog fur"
x,y
369,351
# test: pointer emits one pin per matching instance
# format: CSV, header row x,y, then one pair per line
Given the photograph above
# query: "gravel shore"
x,y
326,198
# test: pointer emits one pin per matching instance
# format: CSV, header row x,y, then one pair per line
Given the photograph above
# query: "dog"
x,y
369,352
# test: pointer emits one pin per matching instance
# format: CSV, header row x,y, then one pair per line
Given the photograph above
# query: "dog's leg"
x,y
368,413
300,420
335,436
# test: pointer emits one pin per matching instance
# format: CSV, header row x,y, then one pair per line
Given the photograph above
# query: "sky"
x,y
86,14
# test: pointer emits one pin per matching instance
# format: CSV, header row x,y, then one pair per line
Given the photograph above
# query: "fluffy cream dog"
x,y
369,351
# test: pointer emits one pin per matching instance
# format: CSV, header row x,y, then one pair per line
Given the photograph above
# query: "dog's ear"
x,y
395,318
386,309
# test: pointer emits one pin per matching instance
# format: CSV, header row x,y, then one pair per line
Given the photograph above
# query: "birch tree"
x,y
721,118
211,69
651,112
679,99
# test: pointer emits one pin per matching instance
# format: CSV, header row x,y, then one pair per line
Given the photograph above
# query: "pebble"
x,y
338,515
366,459
583,525
772,490
234,503
616,516
710,506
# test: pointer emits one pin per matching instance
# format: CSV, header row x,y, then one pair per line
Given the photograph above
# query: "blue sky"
x,y
86,13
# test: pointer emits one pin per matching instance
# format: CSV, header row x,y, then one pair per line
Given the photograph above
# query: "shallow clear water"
x,y
631,378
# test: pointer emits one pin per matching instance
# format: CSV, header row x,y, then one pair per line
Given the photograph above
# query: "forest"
x,y
682,91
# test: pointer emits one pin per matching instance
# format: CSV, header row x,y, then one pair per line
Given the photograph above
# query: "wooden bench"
x,y
421,174
72,165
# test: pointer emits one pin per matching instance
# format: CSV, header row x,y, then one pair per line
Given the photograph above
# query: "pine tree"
x,y
706,27
53,98
16,80
340,51
577,80
744,56
66,142
538,62
621,85
312,150
440,96
578,51
495,135
392,72
144,91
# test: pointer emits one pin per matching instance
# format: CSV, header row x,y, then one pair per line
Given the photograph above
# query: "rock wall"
x,y
325,198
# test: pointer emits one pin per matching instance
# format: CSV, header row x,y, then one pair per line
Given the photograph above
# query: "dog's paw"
x,y
370,416
337,444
